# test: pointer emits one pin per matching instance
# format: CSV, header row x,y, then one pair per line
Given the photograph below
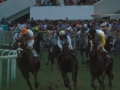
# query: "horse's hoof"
x,y
36,85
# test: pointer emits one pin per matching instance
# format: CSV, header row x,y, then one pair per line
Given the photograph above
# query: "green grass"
x,y
53,79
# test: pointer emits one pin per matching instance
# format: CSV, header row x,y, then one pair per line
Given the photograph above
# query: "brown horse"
x,y
38,39
83,49
27,63
109,44
67,63
108,47
52,55
98,67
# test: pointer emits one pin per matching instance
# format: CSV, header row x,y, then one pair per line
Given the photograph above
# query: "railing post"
x,y
1,68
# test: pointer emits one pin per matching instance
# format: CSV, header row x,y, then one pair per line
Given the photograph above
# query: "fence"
x,y
10,56
6,37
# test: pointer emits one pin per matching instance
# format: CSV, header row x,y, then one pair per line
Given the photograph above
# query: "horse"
x,y
52,54
83,49
38,39
108,47
98,67
67,63
109,43
27,63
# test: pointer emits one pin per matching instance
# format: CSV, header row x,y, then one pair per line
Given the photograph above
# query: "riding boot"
x,y
34,53
12,44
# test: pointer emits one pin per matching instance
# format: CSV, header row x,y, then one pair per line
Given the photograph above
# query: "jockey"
x,y
99,37
104,29
65,38
28,38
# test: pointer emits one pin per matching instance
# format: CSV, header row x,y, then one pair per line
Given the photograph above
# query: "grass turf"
x,y
52,80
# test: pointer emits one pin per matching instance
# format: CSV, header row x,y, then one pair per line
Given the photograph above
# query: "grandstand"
x,y
9,9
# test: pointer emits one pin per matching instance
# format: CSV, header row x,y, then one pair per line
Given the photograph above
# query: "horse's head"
x,y
39,37
109,41
20,47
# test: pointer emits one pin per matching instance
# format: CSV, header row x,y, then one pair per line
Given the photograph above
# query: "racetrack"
x,y
52,80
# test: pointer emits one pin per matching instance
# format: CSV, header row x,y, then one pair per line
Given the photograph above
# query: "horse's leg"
x,y
74,77
103,86
82,56
68,82
64,79
110,82
51,65
26,76
110,75
48,58
92,82
40,55
101,82
35,77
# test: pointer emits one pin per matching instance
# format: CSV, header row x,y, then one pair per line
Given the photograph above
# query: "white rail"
x,y
11,70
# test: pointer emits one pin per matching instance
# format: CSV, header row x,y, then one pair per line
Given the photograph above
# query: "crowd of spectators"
x,y
64,2
71,27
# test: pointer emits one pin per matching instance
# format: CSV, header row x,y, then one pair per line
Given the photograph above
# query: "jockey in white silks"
x,y
64,38
28,39
99,37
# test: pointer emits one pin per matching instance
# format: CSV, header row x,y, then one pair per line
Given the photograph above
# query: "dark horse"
x,y
108,47
52,55
67,63
109,44
98,67
38,39
27,63
83,49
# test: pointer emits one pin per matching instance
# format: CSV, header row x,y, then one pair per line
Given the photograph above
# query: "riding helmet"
x,y
23,30
92,31
62,32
